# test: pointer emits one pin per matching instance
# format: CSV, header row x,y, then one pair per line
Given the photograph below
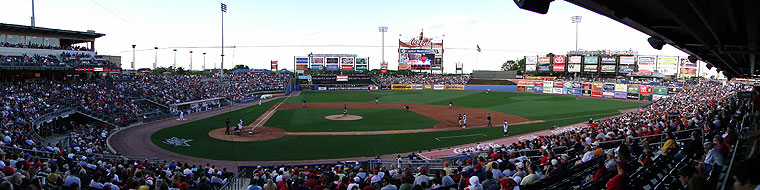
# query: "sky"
x,y
279,30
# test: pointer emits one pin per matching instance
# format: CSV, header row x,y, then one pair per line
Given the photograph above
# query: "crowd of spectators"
x,y
51,169
421,79
65,59
39,46
712,108
172,89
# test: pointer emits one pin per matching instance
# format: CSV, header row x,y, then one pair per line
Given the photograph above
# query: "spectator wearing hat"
x,y
387,184
474,184
713,157
422,178
620,181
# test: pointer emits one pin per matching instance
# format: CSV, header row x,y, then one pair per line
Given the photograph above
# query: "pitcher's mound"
x,y
343,118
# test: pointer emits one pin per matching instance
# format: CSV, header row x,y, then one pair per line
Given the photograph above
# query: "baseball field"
x,y
303,133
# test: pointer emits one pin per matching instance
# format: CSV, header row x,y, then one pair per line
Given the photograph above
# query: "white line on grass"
x,y
270,113
446,137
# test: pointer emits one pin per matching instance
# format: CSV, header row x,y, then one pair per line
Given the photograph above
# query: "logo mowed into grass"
x,y
175,142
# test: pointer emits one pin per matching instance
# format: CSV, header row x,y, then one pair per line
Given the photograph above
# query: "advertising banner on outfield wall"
x,y
454,87
401,86
538,83
567,85
427,87
586,92
548,89
645,89
608,94
567,91
587,86
621,87
439,87
577,85
548,84
596,89
521,88
558,84
620,95
577,91
538,89
524,83
656,97
529,89
660,90
633,88
633,96
608,87
347,87
417,87
556,90
645,97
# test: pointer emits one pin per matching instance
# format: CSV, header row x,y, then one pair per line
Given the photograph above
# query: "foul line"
x,y
479,134
270,113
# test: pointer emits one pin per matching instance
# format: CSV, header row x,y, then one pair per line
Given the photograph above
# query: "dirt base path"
x,y
449,118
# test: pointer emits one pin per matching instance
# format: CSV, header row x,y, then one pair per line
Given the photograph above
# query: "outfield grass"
x,y
375,119
553,109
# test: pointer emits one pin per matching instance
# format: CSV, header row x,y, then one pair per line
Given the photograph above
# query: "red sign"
x,y
273,65
538,83
559,67
558,84
645,89
559,59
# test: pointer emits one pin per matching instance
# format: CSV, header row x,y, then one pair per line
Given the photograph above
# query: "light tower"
x,y
133,56
155,63
383,30
191,61
576,20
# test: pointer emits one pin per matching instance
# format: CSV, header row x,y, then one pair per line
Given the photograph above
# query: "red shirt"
x,y
620,181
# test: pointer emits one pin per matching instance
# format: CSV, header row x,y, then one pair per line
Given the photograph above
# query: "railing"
x,y
429,164
238,181
52,115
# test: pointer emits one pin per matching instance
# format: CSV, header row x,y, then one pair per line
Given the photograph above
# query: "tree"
x,y
512,65
240,67
180,71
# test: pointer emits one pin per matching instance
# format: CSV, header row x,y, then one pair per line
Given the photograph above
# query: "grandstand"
x,y
61,104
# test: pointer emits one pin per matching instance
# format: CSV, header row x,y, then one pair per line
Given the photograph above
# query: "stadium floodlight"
x,y
221,66
204,62
576,20
174,66
133,56
155,63
383,30
191,61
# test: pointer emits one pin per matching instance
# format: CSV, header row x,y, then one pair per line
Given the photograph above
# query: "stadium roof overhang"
x,y
722,33
64,34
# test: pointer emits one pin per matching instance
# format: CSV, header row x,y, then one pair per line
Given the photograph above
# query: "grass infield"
x,y
555,110
375,119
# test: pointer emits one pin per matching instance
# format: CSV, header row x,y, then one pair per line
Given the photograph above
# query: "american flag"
x,y
478,47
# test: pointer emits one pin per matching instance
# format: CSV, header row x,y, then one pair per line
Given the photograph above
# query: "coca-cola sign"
x,y
424,42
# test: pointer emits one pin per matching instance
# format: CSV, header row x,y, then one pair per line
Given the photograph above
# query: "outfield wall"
x,y
631,90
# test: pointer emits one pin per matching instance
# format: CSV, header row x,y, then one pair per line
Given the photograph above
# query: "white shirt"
x,y
587,156
506,126
714,157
